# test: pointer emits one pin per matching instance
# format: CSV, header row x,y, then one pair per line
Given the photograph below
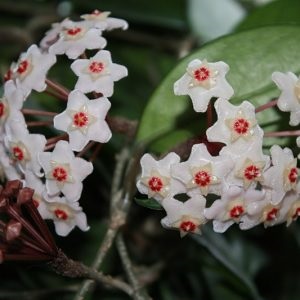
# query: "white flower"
x,y
98,73
202,81
31,70
186,216
75,38
10,105
231,208
64,172
289,100
249,165
6,166
101,20
236,126
202,173
66,216
156,180
84,120
283,175
24,147
35,183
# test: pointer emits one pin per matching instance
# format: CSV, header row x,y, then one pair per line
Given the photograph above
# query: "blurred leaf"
x,y
210,19
252,56
149,203
274,13
233,260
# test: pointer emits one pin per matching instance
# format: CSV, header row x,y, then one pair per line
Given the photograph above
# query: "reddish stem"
x,y
209,115
34,112
39,123
282,133
55,139
95,153
266,106
57,87
85,149
56,95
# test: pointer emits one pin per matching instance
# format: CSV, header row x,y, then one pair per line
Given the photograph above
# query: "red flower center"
x,y
2,109
202,178
296,214
60,174
18,153
251,172
80,119
293,175
241,126
96,67
201,74
23,67
236,211
74,31
61,214
272,214
188,226
8,75
155,184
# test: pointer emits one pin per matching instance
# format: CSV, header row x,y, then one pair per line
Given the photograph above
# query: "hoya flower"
x,y
289,100
7,166
98,73
32,68
236,125
249,166
75,38
202,173
156,180
11,104
282,176
186,216
66,216
203,81
24,147
101,20
35,183
84,120
64,172
231,208
261,211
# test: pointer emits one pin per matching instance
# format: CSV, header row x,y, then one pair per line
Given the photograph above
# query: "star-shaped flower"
x,y
75,38
32,68
84,120
187,217
101,20
66,216
202,173
10,105
203,81
236,125
289,99
64,172
156,180
24,147
283,175
231,208
98,73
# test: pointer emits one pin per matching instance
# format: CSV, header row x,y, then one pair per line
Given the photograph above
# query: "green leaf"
x,y
274,13
252,56
149,203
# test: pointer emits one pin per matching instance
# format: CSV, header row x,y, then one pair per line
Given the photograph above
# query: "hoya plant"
x,y
88,190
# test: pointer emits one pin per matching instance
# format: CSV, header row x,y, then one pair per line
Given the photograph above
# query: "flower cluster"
x,y
249,187
50,165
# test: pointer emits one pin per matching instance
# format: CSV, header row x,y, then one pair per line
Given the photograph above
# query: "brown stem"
x,y
56,95
266,106
34,112
57,87
57,138
282,133
95,153
85,149
39,123
209,115
64,266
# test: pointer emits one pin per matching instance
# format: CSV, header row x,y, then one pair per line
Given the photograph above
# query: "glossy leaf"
x,y
149,203
252,56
